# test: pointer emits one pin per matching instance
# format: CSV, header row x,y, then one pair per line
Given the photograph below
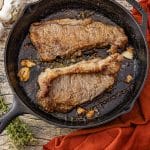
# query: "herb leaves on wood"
x,y
18,131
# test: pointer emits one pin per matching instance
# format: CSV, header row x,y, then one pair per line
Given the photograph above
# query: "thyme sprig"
x,y
18,132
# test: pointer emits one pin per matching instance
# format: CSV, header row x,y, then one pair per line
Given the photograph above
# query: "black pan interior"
x,y
109,104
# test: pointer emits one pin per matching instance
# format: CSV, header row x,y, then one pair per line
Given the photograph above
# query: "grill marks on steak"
x,y
65,37
61,89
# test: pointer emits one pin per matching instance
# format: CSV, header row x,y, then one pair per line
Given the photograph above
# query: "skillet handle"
x,y
16,110
139,8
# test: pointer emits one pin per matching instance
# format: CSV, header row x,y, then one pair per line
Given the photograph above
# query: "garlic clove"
x,y
27,63
128,79
90,114
24,74
128,53
81,111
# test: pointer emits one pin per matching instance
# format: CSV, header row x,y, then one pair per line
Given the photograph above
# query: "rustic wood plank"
x,y
43,131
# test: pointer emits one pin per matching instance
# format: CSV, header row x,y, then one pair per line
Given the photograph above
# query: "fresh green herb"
x,y
3,106
18,132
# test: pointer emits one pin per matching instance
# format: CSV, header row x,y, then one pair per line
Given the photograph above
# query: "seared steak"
x,y
61,89
65,37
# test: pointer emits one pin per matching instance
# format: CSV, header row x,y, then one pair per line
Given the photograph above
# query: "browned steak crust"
x,y
61,89
64,37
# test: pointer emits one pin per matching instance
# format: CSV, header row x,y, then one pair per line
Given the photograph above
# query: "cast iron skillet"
x,y
112,103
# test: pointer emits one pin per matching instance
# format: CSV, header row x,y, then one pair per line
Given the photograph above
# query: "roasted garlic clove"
x,y
90,114
81,111
27,63
128,53
128,79
24,74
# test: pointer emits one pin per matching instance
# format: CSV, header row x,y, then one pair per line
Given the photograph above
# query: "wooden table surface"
x,y
42,131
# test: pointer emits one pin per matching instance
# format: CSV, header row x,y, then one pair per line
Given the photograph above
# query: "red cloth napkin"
x,y
128,132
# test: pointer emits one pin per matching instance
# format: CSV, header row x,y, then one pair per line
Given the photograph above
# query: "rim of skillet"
x,y
43,117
